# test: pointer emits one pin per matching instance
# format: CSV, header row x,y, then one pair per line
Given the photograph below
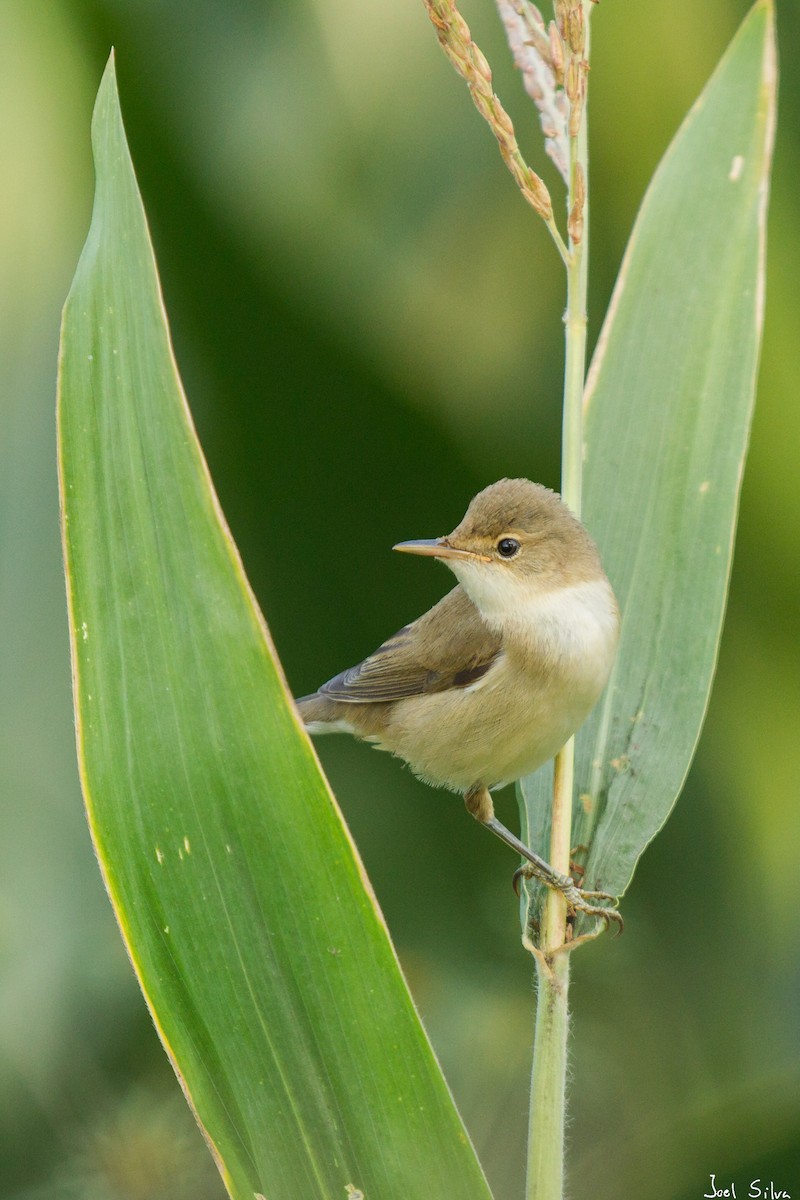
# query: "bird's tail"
x,y
318,713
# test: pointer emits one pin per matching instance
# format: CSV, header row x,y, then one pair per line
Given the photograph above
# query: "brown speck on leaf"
x,y
586,802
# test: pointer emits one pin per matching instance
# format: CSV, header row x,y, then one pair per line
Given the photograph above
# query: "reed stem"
x,y
545,1178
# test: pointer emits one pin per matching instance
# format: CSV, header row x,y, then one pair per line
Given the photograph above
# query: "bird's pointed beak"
x,y
435,548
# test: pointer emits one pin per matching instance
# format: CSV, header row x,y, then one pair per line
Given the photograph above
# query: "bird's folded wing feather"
x,y
448,647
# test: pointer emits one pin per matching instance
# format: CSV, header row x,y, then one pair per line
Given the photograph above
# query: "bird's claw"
x,y
578,900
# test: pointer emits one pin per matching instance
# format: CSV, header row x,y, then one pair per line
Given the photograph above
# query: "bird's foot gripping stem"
x,y
479,804
578,900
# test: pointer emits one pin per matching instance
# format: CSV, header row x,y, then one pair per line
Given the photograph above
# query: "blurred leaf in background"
x,y
335,232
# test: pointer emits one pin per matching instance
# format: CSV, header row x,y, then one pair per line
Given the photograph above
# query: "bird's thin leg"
x,y
479,805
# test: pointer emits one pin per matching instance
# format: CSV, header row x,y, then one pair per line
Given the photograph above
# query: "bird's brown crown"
x,y
552,542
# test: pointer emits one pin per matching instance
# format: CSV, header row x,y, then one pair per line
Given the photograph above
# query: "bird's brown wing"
x,y
448,647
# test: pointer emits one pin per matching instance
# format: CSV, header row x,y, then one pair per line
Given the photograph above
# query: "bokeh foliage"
x,y
330,217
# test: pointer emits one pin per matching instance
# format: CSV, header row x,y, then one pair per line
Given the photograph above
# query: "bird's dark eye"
x,y
507,547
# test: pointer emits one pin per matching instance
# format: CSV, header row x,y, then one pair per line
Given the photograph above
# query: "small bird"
x,y
491,682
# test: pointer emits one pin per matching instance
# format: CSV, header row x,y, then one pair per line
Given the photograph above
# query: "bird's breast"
x,y
570,632
555,661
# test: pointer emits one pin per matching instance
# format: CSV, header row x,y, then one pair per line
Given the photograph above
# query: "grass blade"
x,y
255,937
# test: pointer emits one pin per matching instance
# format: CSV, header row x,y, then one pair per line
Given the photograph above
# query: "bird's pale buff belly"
x,y
493,733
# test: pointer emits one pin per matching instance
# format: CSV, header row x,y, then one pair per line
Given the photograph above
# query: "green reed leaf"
x,y
668,407
254,934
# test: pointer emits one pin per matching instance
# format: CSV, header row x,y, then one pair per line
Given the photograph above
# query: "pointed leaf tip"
x,y
306,1064
669,400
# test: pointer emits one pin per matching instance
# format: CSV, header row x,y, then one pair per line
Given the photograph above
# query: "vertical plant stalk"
x,y
545,1179
546,1122
555,909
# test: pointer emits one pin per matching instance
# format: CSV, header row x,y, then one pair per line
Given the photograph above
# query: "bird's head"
x,y
517,539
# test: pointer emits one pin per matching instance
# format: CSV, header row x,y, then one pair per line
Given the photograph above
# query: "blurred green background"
x,y
367,319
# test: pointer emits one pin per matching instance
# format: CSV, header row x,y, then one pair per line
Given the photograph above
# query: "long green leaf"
x,y
255,937
668,407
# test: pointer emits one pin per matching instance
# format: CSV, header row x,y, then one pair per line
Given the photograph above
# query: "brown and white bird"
x,y
491,682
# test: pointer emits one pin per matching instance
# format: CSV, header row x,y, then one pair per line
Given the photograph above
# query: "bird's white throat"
x,y
577,619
